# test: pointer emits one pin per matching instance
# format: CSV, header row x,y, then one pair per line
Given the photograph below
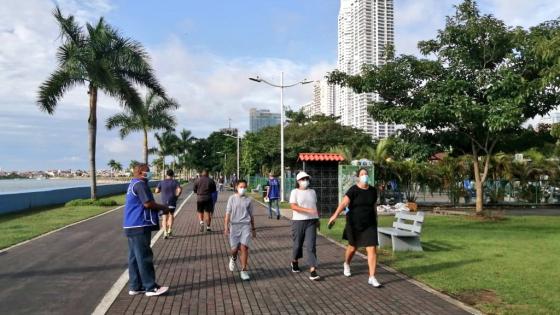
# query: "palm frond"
x,y
69,28
52,90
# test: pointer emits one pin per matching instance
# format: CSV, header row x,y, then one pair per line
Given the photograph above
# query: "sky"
x,y
203,53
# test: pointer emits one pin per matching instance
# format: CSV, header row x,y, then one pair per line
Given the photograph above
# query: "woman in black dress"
x,y
361,223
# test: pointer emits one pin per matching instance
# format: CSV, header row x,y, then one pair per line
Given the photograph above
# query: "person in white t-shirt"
x,y
305,220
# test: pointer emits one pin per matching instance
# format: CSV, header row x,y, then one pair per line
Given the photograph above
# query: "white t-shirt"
x,y
305,198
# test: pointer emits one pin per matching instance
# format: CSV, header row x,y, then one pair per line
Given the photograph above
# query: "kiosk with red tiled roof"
x,y
323,169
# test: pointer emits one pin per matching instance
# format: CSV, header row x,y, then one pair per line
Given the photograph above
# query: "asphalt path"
x,y
66,272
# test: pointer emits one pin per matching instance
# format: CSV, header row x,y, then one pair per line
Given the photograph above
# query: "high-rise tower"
x,y
365,29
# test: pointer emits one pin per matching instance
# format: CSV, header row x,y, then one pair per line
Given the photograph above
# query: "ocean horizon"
x,y
10,186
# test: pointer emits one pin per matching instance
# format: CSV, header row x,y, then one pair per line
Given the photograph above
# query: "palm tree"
x,y
113,165
167,145
102,59
184,146
151,114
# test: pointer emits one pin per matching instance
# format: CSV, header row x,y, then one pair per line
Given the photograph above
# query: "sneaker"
x,y
295,267
244,275
314,276
347,272
165,235
169,234
374,282
208,229
201,226
232,263
278,217
136,292
157,291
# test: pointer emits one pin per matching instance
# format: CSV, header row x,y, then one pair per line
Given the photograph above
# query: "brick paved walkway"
x,y
194,265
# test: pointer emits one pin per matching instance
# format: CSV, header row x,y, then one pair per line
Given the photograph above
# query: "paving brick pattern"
x,y
194,265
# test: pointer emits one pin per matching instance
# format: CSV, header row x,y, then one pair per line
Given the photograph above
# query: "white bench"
x,y
403,236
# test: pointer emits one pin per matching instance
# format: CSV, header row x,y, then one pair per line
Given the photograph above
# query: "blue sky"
x,y
202,51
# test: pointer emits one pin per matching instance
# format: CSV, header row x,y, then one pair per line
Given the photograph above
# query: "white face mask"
x,y
304,184
241,191
364,179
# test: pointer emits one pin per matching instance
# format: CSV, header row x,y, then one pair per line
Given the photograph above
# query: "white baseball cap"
x,y
301,175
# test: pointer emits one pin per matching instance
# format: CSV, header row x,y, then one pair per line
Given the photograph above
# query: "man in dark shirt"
x,y
204,186
170,191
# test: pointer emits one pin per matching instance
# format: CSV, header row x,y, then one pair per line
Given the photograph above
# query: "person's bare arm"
x,y
226,224
343,204
154,206
178,191
295,207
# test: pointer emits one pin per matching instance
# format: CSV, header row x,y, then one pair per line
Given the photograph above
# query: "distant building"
x,y
324,96
229,131
261,118
365,30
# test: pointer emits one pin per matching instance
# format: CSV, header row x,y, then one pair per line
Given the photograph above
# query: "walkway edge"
x,y
417,283
121,282
59,229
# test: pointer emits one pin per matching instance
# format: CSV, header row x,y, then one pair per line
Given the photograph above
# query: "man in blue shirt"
x,y
140,219
170,190
273,195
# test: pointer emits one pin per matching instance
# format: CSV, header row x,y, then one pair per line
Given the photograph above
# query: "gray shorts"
x,y
240,234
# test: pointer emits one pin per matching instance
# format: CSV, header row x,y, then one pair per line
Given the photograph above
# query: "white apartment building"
x,y
365,29
324,96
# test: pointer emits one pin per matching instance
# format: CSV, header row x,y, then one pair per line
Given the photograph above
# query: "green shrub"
x,y
89,202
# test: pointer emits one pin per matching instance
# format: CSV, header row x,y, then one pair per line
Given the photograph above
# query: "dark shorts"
x,y
363,238
205,206
169,211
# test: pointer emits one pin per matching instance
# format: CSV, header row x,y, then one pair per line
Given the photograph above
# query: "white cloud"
x,y
212,89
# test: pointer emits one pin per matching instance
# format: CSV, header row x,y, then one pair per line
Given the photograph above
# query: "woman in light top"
x,y
361,223
305,220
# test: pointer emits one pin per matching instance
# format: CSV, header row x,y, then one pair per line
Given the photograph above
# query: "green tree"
x,y
103,60
152,114
485,80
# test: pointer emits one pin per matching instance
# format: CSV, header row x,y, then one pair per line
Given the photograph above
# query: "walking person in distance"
x,y
361,224
305,220
239,225
170,190
204,187
273,196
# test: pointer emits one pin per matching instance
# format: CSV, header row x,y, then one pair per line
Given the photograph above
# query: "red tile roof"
x,y
327,157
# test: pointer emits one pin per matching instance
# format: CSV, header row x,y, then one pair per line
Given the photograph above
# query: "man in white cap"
x,y
305,220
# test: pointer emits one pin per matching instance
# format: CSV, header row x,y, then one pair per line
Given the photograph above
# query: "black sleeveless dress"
x,y
361,220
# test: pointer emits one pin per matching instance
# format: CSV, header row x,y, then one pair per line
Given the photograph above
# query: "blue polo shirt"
x,y
135,214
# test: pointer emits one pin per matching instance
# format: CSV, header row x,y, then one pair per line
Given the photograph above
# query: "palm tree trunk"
x,y
92,129
145,146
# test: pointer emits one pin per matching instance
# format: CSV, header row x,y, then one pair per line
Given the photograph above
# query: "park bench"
x,y
403,236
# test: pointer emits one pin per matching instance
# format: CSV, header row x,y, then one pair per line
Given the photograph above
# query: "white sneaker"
x,y
158,291
231,264
244,275
374,282
201,226
347,272
136,292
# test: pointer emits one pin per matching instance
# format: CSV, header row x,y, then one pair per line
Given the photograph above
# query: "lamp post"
x,y
281,86
237,137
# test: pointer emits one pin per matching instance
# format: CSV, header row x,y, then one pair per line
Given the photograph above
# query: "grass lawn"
x,y
500,267
18,227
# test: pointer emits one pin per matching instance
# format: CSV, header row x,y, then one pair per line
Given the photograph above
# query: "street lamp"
x,y
281,86
237,137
